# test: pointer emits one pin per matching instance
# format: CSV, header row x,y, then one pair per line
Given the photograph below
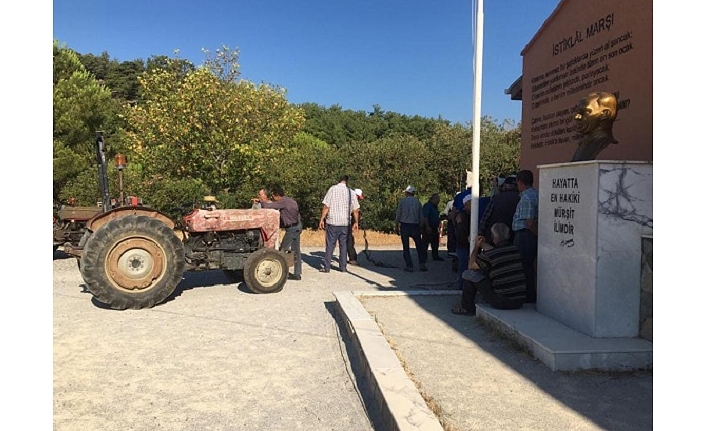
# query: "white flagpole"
x,y
478,75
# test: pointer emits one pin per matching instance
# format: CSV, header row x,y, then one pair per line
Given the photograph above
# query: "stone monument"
x,y
592,216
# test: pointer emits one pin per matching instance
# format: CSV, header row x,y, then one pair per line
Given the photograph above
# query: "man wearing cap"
x,y
352,254
458,198
408,221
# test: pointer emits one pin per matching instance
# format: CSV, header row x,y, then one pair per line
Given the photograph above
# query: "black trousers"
x,y
468,297
526,243
352,254
432,239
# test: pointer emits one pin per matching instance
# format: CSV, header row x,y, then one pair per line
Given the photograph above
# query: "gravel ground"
x,y
214,357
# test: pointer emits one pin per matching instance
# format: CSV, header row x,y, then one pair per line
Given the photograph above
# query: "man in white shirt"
x,y
338,205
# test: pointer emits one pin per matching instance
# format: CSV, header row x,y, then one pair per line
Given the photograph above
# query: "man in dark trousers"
x,y
430,225
352,254
290,221
338,205
524,225
496,272
501,209
408,223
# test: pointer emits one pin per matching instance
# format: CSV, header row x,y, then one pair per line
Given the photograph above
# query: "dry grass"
x,y
317,238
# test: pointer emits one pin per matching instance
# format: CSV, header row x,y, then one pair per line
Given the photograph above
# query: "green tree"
x,y
499,150
210,125
81,107
383,168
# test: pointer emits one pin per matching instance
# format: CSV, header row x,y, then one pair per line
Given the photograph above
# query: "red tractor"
x,y
70,222
134,256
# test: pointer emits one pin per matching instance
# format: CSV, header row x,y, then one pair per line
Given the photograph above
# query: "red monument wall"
x,y
583,47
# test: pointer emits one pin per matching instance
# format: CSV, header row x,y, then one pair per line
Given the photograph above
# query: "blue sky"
x,y
414,57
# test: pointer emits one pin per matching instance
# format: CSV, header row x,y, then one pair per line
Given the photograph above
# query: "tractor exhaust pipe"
x,y
102,171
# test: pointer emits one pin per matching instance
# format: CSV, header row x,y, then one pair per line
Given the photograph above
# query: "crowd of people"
x,y
499,266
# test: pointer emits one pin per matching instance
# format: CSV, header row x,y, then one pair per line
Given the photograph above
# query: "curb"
x,y
397,400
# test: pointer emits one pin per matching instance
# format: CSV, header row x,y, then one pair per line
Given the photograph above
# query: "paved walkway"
x,y
216,357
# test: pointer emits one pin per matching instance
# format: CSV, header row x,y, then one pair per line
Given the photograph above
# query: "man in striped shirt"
x,y
340,203
495,272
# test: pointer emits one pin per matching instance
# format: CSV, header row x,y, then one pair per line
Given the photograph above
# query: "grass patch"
x,y
317,238
434,405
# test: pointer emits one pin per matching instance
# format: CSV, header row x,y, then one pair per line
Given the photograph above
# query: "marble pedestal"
x,y
591,218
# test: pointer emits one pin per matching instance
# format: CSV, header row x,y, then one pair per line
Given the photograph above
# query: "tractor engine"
x,y
225,238
221,250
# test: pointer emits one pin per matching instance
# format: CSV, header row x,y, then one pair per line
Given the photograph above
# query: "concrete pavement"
x,y
218,357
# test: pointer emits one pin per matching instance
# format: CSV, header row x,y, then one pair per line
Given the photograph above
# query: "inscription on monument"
x,y
565,196
591,49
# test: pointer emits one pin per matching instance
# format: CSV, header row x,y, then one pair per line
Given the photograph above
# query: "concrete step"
x,y
562,348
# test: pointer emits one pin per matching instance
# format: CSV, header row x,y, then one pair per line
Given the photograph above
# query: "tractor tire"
x,y
82,244
132,262
233,275
84,238
266,271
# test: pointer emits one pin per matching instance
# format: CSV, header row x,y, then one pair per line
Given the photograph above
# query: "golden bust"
x,y
594,117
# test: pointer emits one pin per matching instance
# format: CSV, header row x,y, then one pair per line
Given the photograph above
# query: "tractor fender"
x,y
99,220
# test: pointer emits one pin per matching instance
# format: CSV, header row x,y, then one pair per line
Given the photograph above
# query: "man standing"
x,y
290,221
524,225
408,221
501,209
352,254
463,233
449,214
458,198
430,225
339,203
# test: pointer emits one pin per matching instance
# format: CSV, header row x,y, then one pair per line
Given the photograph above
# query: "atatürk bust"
x,y
594,116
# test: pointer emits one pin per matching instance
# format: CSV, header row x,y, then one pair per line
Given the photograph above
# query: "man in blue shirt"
x,y
524,225
430,226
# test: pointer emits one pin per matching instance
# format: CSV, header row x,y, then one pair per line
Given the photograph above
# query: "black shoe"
x,y
422,267
294,277
463,312
440,259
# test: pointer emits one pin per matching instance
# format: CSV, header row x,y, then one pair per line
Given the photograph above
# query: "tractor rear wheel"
x,y
266,271
132,262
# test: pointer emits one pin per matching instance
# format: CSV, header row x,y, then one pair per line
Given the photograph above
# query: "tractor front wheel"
x,y
266,271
